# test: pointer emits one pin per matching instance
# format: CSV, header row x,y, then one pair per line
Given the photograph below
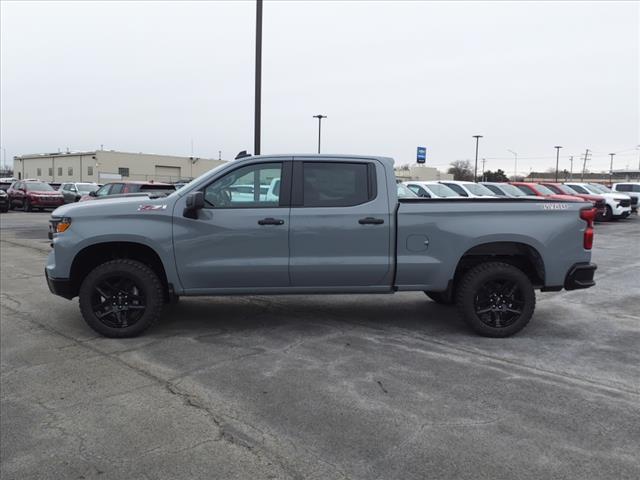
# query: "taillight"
x,y
588,215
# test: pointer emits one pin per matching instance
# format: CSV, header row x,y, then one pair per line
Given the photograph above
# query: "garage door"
x,y
167,174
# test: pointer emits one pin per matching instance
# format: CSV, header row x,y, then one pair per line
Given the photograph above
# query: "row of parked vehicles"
x,y
611,204
34,194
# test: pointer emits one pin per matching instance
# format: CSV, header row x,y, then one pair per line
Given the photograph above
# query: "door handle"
x,y
271,221
371,221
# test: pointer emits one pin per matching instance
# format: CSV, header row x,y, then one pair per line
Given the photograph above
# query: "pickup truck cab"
x,y
335,225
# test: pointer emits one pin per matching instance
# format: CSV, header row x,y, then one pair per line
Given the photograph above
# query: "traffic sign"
x,y
422,154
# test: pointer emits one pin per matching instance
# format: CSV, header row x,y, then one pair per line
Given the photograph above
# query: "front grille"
x,y
625,203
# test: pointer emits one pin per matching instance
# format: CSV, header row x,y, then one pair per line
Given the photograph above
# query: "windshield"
x,y
601,188
404,192
544,190
592,189
512,190
39,187
478,189
441,190
86,187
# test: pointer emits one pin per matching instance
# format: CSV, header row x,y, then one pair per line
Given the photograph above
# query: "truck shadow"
x,y
195,316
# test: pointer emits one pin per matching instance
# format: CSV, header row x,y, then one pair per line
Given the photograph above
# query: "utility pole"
x,y
611,170
483,162
475,171
571,171
584,165
319,117
557,147
219,154
258,80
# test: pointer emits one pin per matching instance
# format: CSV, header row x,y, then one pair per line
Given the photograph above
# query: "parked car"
x,y
632,189
431,189
504,189
73,191
531,188
598,201
337,226
132,187
618,205
404,192
4,186
30,194
468,189
4,201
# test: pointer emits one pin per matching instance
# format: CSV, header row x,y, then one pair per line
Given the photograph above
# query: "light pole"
x,y
258,81
475,171
515,168
319,117
557,147
611,170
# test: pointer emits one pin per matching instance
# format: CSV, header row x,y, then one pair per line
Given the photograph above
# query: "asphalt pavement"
x,y
320,387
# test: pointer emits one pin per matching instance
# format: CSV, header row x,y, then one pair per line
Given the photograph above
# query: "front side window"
x,y
253,186
418,190
336,184
104,190
116,188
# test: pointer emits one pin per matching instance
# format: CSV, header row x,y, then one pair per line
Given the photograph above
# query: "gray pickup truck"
x,y
331,224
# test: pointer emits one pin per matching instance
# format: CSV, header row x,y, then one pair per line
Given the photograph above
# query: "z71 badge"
x,y
147,208
555,206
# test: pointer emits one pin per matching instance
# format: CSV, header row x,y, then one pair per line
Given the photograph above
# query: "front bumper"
x,y
60,286
580,275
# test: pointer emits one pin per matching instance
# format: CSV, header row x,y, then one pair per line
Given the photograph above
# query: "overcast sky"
x,y
390,75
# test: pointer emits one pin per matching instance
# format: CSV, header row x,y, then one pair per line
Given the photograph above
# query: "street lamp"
x,y
515,168
557,147
319,117
475,171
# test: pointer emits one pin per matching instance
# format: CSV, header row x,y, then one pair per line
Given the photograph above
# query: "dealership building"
x,y
101,166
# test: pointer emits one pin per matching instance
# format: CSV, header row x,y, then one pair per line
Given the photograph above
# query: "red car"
x,y
30,194
531,188
598,200
122,188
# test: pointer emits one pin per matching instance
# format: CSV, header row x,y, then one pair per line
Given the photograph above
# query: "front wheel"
x,y
496,299
121,298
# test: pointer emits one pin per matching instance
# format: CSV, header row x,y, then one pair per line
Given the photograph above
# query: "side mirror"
x,y
195,201
92,193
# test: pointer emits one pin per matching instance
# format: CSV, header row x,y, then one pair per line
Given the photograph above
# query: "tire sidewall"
x,y
145,279
475,280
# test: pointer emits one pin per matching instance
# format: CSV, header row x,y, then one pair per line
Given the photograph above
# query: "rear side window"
x,y
338,184
526,189
495,190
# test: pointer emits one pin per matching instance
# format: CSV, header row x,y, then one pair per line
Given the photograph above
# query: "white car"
x,y
629,188
404,192
468,189
430,189
504,189
618,204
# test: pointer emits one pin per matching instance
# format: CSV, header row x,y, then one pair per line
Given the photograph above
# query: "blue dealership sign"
x,y
422,154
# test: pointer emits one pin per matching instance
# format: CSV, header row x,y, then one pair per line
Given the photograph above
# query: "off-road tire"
x,y
477,280
143,277
440,297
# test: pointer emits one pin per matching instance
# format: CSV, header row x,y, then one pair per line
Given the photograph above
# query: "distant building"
x,y
421,172
601,177
101,166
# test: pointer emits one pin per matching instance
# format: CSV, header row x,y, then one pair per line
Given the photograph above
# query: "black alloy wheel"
x,y
121,298
499,303
117,301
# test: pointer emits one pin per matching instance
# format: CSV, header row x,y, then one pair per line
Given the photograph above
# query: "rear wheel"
x,y
121,298
608,214
496,299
